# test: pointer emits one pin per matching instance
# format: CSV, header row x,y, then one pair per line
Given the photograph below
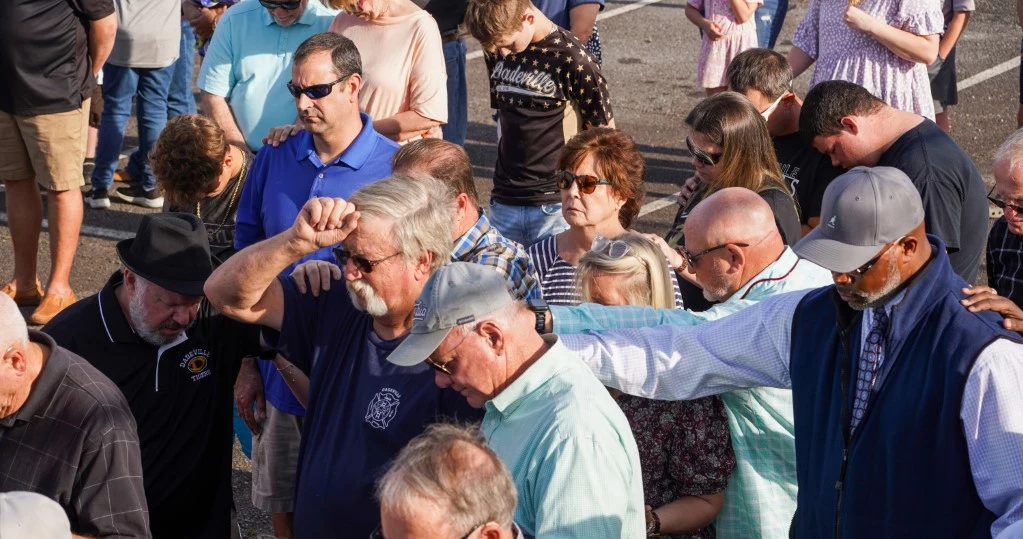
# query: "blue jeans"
x,y
527,224
120,84
458,92
180,100
770,17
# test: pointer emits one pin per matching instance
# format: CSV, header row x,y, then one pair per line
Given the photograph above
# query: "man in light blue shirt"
x,y
244,76
568,446
742,259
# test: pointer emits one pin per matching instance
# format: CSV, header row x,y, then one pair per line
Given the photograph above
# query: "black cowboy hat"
x,y
170,250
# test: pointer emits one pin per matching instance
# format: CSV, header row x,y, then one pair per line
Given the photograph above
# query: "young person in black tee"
x,y
546,87
765,78
854,128
200,173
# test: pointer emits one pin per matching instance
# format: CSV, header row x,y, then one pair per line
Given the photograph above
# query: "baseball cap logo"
x,y
831,223
418,311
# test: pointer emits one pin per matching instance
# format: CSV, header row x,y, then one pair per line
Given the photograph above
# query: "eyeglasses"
x,y
316,91
587,184
290,6
691,259
870,263
615,249
443,367
1003,204
709,159
767,112
364,264
379,533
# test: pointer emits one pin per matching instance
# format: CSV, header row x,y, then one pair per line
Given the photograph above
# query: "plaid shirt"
x,y
1005,262
483,244
74,441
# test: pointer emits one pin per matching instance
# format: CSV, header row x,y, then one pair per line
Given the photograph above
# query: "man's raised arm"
x,y
245,287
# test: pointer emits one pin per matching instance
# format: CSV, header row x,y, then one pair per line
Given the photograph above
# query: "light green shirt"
x,y
570,452
761,495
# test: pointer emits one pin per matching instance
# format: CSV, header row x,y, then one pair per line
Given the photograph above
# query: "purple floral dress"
x,y
843,53
685,449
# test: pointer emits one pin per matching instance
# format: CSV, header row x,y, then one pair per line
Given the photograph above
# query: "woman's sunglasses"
x,y
615,249
709,159
364,264
316,91
587,184
290,6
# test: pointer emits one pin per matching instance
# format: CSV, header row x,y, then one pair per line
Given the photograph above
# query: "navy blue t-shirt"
x,y
362,410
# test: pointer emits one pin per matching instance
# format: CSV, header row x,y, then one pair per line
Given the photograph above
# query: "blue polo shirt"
x,y
362,411
249,62
558,10
280,182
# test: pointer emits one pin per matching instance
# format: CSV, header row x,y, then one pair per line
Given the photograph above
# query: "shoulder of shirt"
x,y
88,385
997,360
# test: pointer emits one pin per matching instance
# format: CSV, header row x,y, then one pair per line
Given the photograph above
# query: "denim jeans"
x,y
180,100
120,84
527,224
458,92
769,18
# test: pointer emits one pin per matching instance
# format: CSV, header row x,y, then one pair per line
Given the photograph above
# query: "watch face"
x,y
537,304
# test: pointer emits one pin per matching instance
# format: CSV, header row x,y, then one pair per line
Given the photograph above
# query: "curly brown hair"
x,y
616,158
188,159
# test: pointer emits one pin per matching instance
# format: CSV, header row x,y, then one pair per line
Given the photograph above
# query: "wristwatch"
x,y
540,309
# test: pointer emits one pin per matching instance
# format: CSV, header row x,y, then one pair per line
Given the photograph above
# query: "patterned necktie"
x,y
870,362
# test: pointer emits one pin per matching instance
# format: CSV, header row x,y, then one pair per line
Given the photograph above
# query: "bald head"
x,y
731,215
13,331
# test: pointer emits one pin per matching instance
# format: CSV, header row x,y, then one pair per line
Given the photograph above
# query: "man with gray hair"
x,y
66,433
1005,240
361,410
447,483
567,443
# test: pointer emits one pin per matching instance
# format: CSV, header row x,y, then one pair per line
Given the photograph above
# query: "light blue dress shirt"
x,y
249,63
761,495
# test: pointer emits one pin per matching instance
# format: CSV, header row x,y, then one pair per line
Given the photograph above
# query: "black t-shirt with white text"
x,y
544,96
807,173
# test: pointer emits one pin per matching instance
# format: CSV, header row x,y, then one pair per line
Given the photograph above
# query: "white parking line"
x,y
605,15
1008,65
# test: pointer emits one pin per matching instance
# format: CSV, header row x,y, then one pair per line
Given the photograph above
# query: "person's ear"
x,y
130,281
851,124
490,530
736,258
910,244
788,100
422,269
16,359
493,335
354,83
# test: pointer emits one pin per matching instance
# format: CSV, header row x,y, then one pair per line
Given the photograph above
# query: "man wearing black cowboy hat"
x,y
175,358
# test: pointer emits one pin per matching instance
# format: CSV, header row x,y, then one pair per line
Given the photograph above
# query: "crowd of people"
x,y
804,353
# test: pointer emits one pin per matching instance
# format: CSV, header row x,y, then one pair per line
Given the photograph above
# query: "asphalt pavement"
x,y
650,54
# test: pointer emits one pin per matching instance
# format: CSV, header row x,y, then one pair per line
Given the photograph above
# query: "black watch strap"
x,y
541,321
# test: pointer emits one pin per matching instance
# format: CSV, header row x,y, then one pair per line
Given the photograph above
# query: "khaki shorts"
x,y
47,147
275,461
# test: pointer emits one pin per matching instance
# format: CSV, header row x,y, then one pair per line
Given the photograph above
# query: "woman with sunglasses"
x,y
685,449
405,83
600,174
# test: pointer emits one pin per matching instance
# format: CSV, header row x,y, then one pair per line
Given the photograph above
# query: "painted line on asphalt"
x,y
605,15
87,230
1007,65
658,204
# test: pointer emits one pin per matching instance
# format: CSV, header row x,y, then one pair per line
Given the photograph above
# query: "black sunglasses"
x,y
290,6
364,264
1002,204
870,263
587,184
316,91
709,159
691,260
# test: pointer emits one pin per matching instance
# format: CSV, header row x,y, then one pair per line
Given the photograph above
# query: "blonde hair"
x,y
490,20
644,278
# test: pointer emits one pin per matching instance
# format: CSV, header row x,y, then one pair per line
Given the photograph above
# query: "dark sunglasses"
x,y
587,184
691,259
290,6
709,159
1003,204
316,91
615,249
870,263
364,264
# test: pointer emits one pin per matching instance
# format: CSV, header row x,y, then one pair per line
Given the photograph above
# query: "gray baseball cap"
x,y
27,515
457,293
862,211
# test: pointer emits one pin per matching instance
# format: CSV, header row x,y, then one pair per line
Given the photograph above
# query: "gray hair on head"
x,y
1011,150
13,330
419,210
452,467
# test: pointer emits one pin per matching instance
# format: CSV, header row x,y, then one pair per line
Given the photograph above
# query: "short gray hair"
x,y
1011,150
453,467
420,210
13,330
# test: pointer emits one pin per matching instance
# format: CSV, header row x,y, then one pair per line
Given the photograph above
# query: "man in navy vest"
x,y
907,406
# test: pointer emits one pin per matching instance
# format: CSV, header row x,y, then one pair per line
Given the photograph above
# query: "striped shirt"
x,y
557,276
1005,261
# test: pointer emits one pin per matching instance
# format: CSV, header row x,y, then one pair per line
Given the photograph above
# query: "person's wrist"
x,y
653,528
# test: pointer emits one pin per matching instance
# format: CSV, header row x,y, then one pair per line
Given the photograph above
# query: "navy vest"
x,y
905,471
